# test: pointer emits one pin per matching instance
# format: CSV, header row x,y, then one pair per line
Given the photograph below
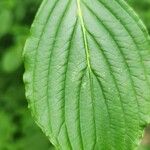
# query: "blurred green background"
x,y
17,128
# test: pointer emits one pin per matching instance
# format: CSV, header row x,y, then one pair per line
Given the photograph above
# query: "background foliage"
x,y
17,128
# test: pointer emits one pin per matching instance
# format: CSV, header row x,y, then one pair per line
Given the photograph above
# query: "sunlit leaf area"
x,y
17,128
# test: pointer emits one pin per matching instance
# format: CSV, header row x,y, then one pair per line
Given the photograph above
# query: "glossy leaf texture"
x,y
87,74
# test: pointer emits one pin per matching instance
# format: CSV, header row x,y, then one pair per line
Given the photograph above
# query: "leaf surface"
x,y
88,74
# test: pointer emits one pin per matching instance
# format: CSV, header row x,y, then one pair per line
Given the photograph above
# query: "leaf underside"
x,y
88,74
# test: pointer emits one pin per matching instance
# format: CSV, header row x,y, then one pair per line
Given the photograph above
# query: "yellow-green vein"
x,y
84,35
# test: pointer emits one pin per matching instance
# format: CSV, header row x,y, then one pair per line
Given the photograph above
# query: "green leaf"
x,y
7,130
88,74
12,59
6,24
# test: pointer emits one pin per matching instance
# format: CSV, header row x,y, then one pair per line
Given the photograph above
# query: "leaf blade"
x,y
76,53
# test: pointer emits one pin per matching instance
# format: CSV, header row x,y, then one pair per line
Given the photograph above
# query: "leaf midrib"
x,y
84,34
